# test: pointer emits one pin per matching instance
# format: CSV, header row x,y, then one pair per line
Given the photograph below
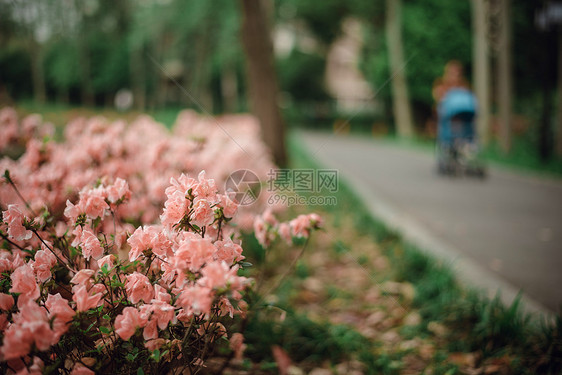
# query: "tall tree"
x,y
261,76
481,67
559,108
400,101
504,74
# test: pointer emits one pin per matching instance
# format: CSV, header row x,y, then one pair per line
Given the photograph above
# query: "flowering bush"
x,y
105,269
144,153
71,301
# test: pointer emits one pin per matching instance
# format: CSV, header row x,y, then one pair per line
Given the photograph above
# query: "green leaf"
x,y
104,269
106,317
156,355
105,330
140,371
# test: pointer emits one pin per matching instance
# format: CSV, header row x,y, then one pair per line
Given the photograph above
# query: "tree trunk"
x,y
481,65
504,74
37,72
86,87
138,77
400,101
559,109
229,88
261,76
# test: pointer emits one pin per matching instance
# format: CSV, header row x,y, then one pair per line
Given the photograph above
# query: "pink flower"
x,y
229,206
203,214
72,211
60,311
269,218
31,326
3,322
228,251
196,299
91,246
83,278
138,288
206,188
80,369
93,202
127,323
237,345
106,261
216,275
160,314
14,218
35,369
118,191
149,238
195,252
182,185
284,231
175,209
23,281
260,231
161,294
85,301
6,301
152,345
44,261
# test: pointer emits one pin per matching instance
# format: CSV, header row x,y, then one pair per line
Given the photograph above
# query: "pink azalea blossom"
x,y
72,211
85,301
149,238
31,326
118,191
44,261
160,313
197,299
127,323
6,301
138,288
203,214
90,244
83,278
228,251
80,369
237,345
284,231
229,206
106,261
260,231
23,281
14,218
93,201
175,209
3,322
61,313
216,275
206,188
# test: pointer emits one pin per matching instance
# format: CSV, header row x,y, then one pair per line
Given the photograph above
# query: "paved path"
x,y
504,232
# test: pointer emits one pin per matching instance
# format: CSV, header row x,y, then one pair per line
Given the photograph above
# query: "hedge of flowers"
x,y
104,267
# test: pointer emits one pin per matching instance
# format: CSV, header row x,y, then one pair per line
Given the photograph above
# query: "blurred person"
x,y
453,77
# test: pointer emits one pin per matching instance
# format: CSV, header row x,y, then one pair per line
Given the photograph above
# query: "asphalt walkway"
x,y
501,233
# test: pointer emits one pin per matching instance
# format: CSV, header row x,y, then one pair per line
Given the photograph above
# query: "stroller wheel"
x,y
446,169
478,171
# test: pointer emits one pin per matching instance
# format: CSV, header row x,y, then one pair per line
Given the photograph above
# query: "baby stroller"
x,y
457,146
